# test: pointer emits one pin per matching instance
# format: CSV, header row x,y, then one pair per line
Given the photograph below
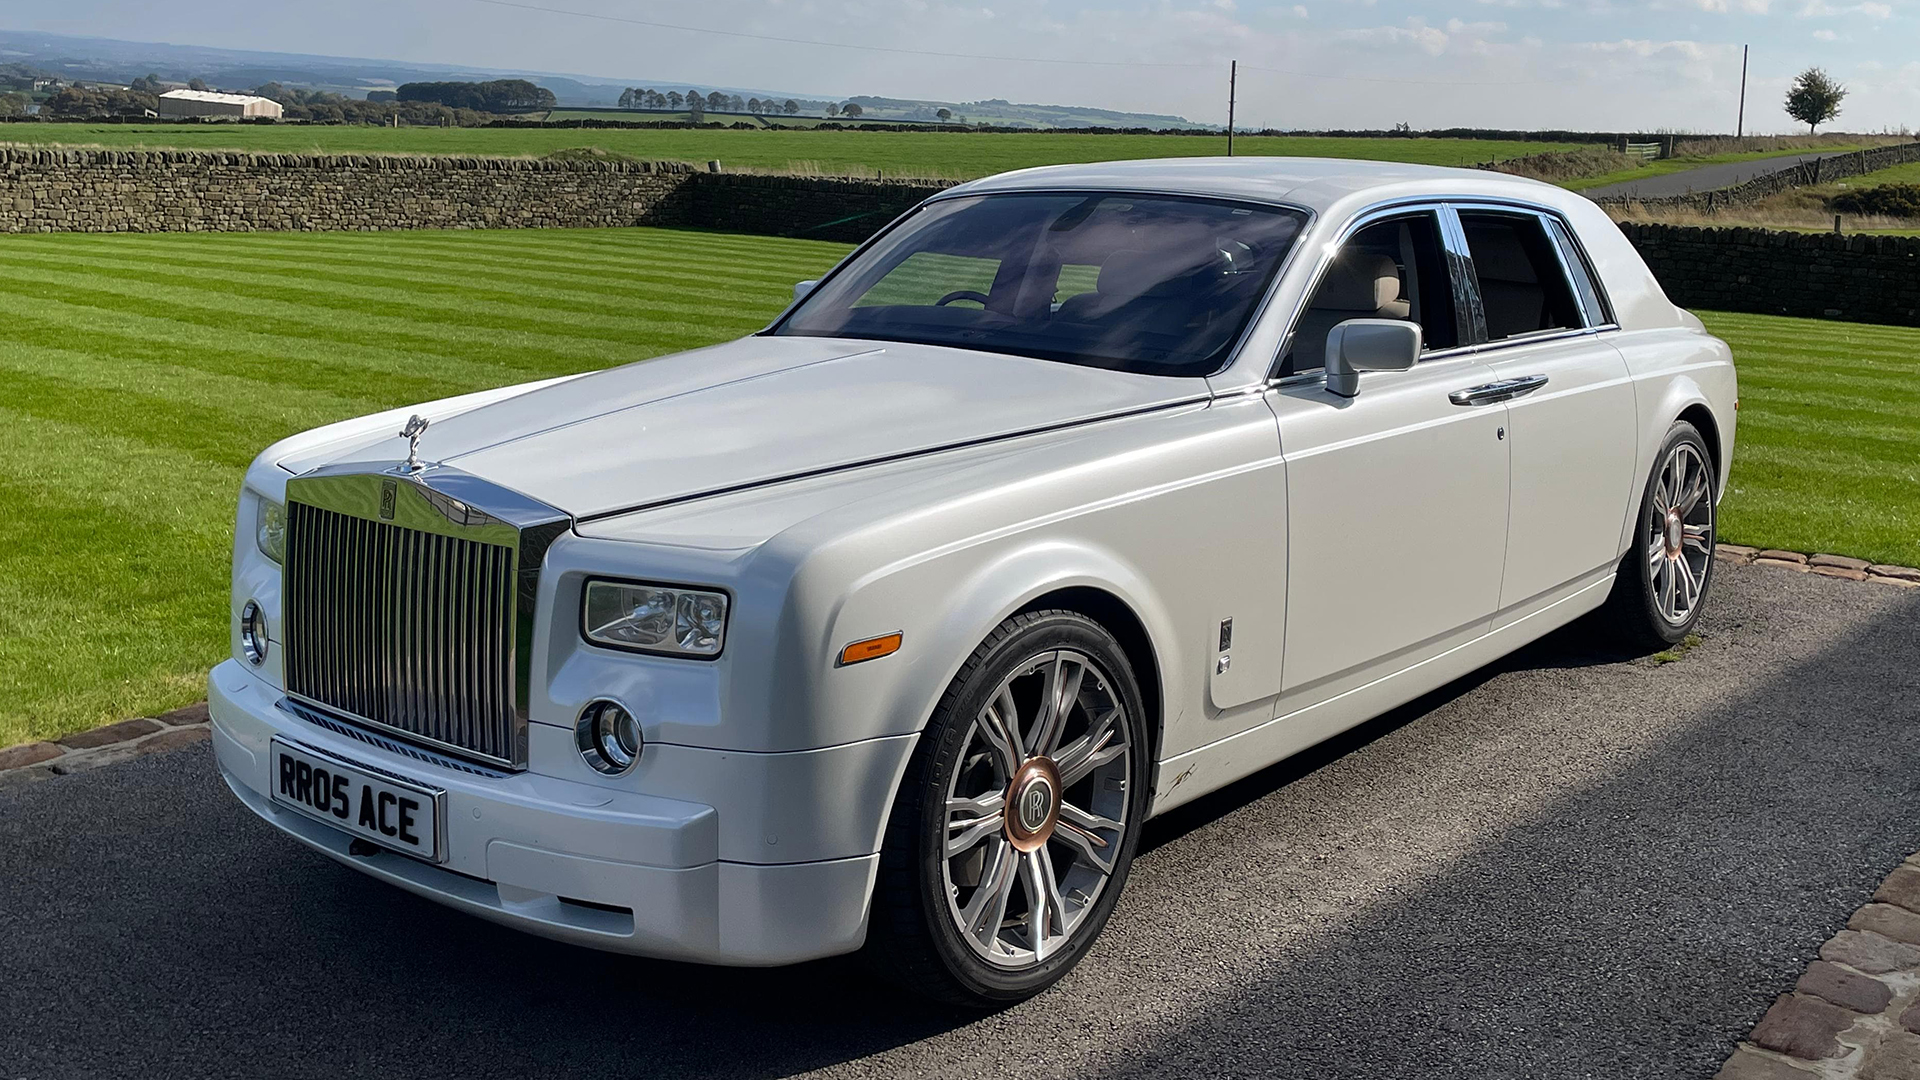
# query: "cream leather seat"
x,y
1359,285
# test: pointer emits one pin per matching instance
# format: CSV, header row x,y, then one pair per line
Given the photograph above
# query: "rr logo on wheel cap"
x,y
1033,804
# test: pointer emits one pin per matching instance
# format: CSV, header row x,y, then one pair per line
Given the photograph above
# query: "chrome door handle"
x,y
1495,392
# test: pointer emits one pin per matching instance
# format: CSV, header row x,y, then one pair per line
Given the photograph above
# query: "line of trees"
x,y
699,104
494,96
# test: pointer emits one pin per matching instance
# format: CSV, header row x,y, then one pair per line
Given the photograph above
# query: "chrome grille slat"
x,y
401,629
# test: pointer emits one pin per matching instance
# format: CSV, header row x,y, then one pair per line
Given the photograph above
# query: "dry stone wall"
x,y
1874,279
210,191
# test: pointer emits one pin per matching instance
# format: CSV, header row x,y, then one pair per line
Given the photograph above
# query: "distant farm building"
x,y
182,104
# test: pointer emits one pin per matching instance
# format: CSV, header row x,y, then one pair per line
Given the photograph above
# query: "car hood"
x,y
755,411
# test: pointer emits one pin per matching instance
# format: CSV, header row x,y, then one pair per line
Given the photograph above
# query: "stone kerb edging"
x,y
1856,1010
1836,566
19,155
83,750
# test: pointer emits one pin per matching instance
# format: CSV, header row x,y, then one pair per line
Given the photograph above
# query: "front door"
x,y
1396,497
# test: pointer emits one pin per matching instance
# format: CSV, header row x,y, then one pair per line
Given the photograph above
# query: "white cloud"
x,y
1825,35
1870,8
1300,11
1428,39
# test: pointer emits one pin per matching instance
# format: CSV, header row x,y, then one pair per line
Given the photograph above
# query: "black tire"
x,y
912,938
1634,614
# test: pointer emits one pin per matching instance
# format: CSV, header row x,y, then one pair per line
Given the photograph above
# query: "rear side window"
x,y
1522,286
1583,277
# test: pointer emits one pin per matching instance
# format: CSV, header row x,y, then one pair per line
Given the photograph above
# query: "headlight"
x,y
663,619
271,534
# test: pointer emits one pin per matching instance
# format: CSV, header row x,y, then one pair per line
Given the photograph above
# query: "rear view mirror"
x,y
1359,345
801,289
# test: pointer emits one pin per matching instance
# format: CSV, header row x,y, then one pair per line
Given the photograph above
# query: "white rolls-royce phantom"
x,y
1074,494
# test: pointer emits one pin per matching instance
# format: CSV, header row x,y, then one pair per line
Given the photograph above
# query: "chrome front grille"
x,y
406,629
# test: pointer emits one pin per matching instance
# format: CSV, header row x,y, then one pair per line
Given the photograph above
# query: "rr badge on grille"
x,y
389,493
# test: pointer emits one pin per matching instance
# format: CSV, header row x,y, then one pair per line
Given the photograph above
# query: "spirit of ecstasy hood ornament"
x,y
416,427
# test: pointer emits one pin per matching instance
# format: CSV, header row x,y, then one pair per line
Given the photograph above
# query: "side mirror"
x,y
801,289
1359,345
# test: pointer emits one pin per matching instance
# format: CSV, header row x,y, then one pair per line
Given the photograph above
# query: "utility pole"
x,y
1740,125
1233,78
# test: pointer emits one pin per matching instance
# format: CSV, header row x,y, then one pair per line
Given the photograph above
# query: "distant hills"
x,y
108,60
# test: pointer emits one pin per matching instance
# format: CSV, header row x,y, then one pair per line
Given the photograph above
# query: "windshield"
x,y
1151,284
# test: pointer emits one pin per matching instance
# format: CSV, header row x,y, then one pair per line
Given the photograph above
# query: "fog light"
x,y
253,634
608,737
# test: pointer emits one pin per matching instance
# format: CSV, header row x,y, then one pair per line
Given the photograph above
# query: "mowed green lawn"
x,y
142,373
1828,454
958,154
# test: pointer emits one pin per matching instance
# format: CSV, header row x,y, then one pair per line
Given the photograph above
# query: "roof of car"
x,y
1315,183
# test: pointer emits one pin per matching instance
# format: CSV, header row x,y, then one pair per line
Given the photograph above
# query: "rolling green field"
x,y
957,154
144,372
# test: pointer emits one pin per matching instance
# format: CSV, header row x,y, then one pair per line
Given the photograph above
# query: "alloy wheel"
x,y
1037,808
1679,533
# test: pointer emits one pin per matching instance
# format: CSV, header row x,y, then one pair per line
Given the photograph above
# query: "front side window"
x,y
1393,269
1522,285
1151,284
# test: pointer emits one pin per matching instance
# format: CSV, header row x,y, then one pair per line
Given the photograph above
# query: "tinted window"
x,y
1150,284
1394,269
1583,278
1522,285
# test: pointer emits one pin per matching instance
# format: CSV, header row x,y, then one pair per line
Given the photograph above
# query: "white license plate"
x,y
392,813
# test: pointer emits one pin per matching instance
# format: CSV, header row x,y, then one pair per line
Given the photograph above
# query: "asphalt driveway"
x,y
1704,178
1576,865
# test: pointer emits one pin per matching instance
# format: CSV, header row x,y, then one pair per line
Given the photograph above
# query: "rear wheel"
x,y
1663,581
1016,823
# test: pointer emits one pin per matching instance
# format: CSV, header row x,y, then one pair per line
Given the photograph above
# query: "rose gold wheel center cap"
x,y
1675,533
1033,804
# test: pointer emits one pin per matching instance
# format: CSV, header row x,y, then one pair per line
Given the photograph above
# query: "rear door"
x,y
1568,400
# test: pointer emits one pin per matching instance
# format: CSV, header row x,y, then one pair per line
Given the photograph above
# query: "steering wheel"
x,y
962,294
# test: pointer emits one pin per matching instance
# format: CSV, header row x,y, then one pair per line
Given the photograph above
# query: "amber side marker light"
x,y
870,649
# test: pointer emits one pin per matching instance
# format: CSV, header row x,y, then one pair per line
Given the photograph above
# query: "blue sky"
x,y
1590,64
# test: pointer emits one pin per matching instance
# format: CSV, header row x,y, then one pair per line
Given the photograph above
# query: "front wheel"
x,y
1017,820
1663,581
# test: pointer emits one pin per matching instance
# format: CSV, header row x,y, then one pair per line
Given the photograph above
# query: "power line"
x,y
1400,82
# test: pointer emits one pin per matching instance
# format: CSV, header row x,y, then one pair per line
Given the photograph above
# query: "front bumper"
x,y
686,875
